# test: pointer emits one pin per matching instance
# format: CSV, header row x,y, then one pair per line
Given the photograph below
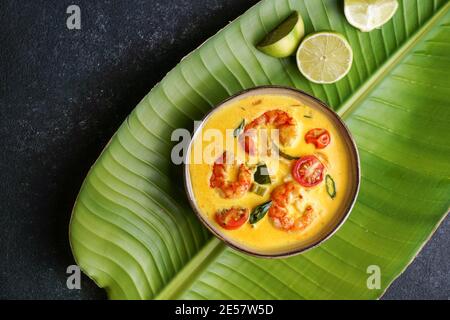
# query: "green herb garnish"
x,y
258,189
282,154
331,187
307,116
287,156
261,174
239,129
259,212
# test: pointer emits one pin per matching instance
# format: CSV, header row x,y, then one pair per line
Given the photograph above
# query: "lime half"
x,y
324,57
284,39
367,15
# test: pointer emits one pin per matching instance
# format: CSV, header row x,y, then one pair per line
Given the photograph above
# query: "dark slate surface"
x,y
63,94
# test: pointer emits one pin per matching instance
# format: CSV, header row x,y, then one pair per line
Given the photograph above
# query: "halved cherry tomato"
x,y
232,218
319,137
308,171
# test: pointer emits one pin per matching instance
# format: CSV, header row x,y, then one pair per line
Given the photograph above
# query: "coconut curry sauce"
x,y
272,202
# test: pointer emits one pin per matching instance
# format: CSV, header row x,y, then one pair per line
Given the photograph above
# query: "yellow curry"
x,y
269,194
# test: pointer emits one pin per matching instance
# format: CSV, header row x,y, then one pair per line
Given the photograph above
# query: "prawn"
x,y
281,120
282,196
230,189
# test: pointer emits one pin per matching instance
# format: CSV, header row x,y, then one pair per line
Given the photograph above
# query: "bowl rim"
x,y
354,154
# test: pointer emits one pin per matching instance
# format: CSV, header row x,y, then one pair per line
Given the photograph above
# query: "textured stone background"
x,y
63,93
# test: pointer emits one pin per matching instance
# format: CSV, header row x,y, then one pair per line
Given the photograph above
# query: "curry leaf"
x,y
239,129
261,174
259,212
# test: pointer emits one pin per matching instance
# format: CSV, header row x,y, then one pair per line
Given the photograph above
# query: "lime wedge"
x,y
324,57
367,15
284,39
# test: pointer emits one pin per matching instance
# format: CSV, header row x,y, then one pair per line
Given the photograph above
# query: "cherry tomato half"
x,y
308,171
319,137
232,218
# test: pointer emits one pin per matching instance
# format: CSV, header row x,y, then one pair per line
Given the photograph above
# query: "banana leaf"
x,y
133,232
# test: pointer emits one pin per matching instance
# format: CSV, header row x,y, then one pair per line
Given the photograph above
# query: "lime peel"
x,y
282,41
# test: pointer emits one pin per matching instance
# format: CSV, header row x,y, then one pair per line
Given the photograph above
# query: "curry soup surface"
x,y
264,237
